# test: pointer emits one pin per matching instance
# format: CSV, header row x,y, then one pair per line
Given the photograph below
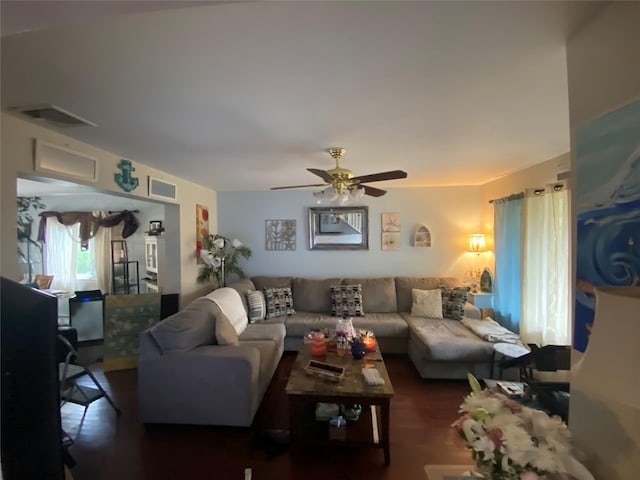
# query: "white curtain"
x,y
546,316
101,254
61,255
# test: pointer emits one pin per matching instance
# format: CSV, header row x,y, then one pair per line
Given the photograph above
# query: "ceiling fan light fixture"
x,y
356,194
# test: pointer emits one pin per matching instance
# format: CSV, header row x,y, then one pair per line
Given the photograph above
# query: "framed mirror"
x,y
339,228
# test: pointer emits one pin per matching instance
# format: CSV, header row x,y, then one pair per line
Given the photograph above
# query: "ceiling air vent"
x,y
55,115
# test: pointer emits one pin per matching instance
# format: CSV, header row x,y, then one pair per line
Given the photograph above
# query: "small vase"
x,y
358,349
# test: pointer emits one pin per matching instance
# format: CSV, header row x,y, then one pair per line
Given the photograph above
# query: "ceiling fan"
x,y
342,181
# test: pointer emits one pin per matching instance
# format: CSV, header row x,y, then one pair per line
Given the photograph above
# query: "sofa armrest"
x,y
210,385
471,311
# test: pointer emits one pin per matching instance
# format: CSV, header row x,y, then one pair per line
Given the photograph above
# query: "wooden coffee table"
x,y
304,391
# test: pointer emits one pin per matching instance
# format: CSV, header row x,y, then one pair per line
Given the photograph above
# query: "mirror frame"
x,y
314,228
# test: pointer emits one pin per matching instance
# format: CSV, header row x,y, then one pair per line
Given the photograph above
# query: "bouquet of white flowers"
x,y
220,256
510,441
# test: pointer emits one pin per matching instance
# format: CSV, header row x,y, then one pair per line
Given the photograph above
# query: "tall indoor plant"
x,y
221,257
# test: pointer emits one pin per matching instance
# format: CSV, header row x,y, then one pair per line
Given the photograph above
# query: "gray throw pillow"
x,y
346,301
453,302
279,302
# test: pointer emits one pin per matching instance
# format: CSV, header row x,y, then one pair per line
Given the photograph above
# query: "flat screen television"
x,y
30,431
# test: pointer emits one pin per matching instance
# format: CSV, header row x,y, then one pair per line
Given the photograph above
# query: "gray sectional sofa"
x,y
187,375
439,348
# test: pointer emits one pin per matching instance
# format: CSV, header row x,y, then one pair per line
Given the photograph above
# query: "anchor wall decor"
x,y
124,180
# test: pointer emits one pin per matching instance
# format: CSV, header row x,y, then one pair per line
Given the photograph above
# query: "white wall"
x,y
603,60
450,213
17,160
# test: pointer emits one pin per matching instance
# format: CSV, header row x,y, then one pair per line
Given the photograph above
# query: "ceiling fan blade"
x,y
378,177
374,192
299,186
322,174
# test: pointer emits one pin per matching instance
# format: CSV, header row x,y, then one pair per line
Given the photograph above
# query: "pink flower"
x,y
495,435
529,476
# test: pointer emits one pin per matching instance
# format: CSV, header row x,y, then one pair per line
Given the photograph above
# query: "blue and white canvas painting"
x,y
607,205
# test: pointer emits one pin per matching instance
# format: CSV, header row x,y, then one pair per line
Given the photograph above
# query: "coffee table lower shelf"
x,y
368,430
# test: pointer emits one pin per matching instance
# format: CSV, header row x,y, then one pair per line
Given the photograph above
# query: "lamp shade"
x,y
477,243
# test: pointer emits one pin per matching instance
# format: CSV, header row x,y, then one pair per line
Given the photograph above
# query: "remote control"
x,y
372,376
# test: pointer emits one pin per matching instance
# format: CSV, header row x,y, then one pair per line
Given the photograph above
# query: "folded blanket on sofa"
x,y
491,331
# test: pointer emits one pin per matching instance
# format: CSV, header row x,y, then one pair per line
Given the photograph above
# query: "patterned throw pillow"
x,y
346,301
426,303
257,305
279,302
453,301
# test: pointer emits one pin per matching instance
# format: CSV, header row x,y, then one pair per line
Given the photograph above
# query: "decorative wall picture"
x,y
390,222
422,237
280,235
608,210
390,241
125,180
202,228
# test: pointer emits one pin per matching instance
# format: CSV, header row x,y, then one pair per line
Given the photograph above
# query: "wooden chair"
x,y
44,281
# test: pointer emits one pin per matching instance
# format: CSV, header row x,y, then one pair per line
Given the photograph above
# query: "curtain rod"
x,y
536,191
120,211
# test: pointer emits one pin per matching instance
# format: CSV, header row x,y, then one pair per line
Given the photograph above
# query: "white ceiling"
x,y
247,95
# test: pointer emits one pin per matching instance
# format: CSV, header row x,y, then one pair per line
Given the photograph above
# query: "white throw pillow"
x,y
230,302
257,305
426,303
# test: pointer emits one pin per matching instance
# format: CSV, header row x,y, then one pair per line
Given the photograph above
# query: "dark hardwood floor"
x,y
109,447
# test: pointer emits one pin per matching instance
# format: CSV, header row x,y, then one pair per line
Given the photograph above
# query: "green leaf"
x,y
473,383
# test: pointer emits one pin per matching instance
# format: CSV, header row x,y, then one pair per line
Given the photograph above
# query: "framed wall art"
x,y
390,241
390,222
280,235
202,228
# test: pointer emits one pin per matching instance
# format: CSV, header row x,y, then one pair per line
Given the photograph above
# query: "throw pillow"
x,y
257,305
453,302
225,331
279,302
346,301
426,303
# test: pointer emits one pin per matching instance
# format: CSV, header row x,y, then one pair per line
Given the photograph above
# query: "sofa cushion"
x,y
378,294
404,285
313,295
448,340
242,287
301,323
262,282
261,331
346,301
426,303
191,327
453,302
383,325
279,302
230,303
257,306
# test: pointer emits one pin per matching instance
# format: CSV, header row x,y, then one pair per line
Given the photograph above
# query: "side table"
x,y
507,350
484,301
